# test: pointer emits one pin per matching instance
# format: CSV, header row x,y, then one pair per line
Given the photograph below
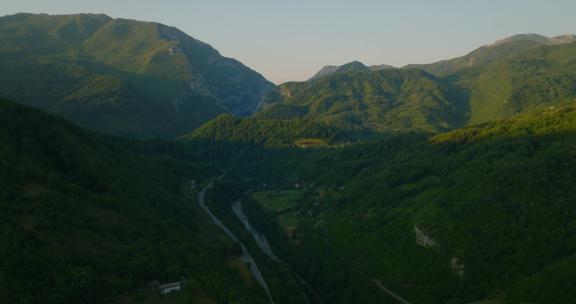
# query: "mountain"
x,y
461,191
482,213
378,67
487,54
541,76
468,216
83,220
510,76
467,199
354,66
123,77
385,101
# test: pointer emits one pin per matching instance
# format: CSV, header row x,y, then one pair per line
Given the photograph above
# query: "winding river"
x,y
245,254
260,239
264,246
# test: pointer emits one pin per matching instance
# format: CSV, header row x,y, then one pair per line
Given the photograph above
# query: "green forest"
x,y
495,199
133,155
85,221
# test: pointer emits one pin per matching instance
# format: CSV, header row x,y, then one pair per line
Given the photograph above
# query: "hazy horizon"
x,y
292,41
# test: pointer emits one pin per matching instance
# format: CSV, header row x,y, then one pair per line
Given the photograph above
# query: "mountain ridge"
x,y
447,183
121,76
518,73
505,47
353,66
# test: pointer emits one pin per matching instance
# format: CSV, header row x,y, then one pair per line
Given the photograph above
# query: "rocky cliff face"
x,y
234,87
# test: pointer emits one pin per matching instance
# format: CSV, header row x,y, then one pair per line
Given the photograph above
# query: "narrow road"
x,y
245,254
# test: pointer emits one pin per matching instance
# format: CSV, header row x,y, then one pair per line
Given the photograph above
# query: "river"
x,y
260,239
246,256
265,247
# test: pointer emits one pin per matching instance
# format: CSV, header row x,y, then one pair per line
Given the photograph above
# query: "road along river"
x,y
245,254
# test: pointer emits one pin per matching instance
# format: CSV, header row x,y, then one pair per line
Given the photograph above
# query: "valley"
x,y
246,257
133,155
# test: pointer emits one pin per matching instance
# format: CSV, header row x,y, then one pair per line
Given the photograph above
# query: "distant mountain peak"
x,y
378,67
533,37
353,66
354,63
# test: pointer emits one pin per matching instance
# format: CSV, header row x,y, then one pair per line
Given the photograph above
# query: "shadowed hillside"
x,y
119,76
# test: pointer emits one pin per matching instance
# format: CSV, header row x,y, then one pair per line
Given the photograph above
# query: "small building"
x,y
170,287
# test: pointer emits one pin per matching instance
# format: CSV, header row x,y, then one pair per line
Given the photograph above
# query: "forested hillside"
x,y
483,212
490,53
122,77
386,101
451,182
272,133
85,221
522,73
543,76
